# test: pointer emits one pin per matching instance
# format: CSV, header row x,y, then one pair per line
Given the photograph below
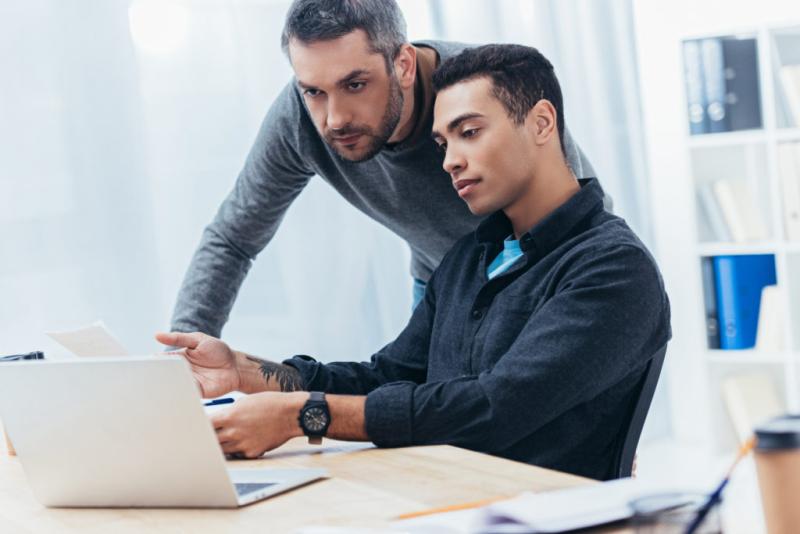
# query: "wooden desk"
x,y
367,487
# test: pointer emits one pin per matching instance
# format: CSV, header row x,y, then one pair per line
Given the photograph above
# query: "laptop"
x,y
124,432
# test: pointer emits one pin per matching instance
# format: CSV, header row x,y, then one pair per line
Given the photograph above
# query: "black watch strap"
x,y
315,408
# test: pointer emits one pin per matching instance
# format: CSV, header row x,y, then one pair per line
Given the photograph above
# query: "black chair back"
x,y
639,414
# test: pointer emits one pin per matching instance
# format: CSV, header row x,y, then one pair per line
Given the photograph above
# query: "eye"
x,y
312,93
441,147
470,132
355,86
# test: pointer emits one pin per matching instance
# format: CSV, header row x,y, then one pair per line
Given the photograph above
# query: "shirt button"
x,y
477,313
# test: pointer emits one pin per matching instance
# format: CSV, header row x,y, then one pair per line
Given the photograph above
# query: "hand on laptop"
x,y
259,422
213,363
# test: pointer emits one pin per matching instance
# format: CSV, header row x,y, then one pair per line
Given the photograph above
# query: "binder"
x,y
710,302
714,84
739,281
695,99
742,94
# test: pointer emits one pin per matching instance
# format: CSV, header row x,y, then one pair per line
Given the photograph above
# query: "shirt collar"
x,y
427,59
551,231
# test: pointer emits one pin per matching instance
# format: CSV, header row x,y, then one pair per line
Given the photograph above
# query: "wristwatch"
x,y
315,417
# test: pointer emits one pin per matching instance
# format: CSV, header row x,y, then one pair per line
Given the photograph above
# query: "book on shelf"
x,y
711,213
790,84
739,211
769,333
789,174
722,86
739,281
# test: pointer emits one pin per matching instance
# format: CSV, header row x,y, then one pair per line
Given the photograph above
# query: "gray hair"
x,y
310,21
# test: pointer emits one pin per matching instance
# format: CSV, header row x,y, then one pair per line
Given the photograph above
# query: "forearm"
x,y
257,375
215,264
347,417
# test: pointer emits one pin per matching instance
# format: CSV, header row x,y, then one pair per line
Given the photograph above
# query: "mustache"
x,y
347,131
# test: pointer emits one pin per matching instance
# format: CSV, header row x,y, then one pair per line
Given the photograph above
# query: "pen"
x,y
217,402
36,355
714,498
452,508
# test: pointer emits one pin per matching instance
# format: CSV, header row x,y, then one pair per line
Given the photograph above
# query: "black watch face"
x,y
315,419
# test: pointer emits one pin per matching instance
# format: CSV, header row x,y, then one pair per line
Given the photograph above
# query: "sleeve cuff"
x,y
388,414
308,368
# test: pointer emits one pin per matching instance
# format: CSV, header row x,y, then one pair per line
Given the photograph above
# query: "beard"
x,y
376,138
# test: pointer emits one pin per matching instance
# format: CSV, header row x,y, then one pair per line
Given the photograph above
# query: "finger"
x,y
230,447
179,339
226,435
220,419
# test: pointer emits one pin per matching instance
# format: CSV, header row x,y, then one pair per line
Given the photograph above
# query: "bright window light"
x,y
158,27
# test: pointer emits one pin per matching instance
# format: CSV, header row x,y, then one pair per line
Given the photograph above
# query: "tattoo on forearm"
x,y
288,378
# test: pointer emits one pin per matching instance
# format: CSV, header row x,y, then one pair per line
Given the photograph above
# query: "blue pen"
x,y
37,355
217,402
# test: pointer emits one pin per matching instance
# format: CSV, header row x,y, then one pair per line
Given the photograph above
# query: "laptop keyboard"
x,y
249,487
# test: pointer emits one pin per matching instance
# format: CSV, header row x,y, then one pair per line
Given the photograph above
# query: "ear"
x,y
542,121
405,66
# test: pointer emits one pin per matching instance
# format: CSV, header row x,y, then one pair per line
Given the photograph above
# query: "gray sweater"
x,y
403,187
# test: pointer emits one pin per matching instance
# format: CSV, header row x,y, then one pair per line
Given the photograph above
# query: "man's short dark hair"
x,y
520,76
310,21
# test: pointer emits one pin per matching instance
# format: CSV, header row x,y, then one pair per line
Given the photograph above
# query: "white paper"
x,y
460,522
92,340
546,512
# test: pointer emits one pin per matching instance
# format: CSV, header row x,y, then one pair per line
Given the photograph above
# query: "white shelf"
x,y
726,249
683,168
748,356
744,137
787,134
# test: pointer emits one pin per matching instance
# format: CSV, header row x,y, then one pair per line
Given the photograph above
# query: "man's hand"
x,y
213,363
259,423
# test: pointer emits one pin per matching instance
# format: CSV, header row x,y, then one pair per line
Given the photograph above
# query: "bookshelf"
x,y
719,187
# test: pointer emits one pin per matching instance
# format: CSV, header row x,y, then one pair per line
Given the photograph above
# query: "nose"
x,y
454,162
338,115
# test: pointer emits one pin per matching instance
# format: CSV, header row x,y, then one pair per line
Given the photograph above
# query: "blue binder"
x,y
739,281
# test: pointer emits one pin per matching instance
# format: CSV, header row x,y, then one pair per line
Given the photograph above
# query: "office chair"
x,y
633,431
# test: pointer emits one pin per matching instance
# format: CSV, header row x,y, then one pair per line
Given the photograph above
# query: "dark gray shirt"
x,y
403,187
540,364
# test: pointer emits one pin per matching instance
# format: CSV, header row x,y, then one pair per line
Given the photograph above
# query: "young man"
x,y
358,114
535,330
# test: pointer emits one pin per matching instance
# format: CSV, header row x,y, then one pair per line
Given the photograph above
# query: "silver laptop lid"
x,y
125,431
